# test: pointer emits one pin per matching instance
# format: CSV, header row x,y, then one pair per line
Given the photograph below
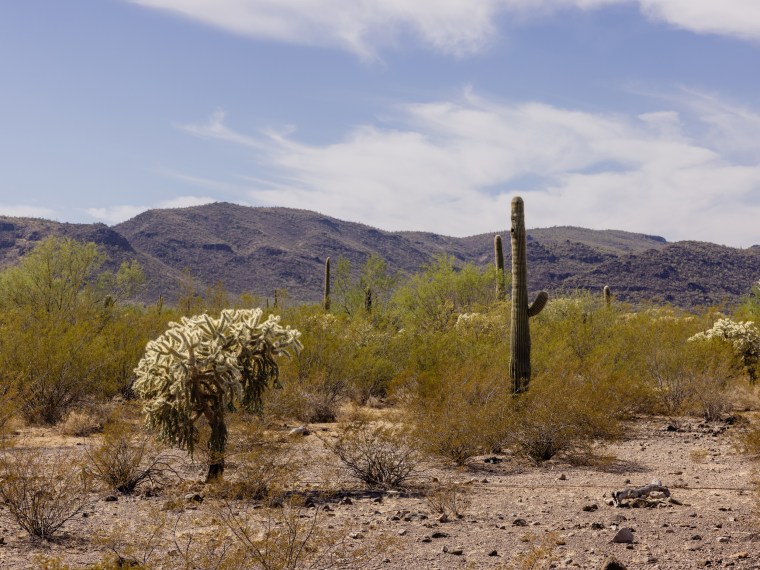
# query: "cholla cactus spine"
x,y
202,366
519,366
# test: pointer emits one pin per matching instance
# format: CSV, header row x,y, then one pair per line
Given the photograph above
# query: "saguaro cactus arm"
x,y
326,301
498,251
538,305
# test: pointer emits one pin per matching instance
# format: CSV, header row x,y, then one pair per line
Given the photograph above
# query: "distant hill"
x,y
260,249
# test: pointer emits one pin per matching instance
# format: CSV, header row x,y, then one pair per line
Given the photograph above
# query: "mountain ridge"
x,y
260,249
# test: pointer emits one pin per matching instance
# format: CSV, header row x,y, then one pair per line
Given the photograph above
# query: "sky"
x,y
637,115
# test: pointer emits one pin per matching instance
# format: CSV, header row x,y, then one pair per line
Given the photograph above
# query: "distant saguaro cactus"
x,y
498,251
519,366
326,300
368,299
607,296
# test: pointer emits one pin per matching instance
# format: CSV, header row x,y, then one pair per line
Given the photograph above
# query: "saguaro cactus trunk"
x,y
326,302
607,296
519,366
498,251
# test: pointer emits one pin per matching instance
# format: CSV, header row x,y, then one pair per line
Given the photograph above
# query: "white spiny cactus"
x,y
743,336
203,366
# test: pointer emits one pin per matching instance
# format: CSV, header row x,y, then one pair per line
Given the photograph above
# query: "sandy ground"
x,y
558,513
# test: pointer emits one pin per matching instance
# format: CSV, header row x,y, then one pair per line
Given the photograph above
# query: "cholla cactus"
x,y
203,366
744,337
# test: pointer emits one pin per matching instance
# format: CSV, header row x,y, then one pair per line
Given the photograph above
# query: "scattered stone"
x,y
402,532
724,539
111,499
300,430
346,501
623,536
426,539
493,553
674,501
439,534
493,460
356,535
590,508
457,551
327,508
562,477
519,522
696,537
443,518
612,564
741,555
597,526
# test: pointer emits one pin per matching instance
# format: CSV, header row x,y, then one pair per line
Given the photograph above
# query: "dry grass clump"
x,y
127,458
42,493
447,498
289,537
86,420
378,455
261,463
561,415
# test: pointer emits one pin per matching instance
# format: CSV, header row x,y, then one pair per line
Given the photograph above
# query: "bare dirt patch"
x,y
512,514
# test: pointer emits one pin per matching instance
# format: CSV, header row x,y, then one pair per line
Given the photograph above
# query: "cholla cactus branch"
x,y
743,336
202,367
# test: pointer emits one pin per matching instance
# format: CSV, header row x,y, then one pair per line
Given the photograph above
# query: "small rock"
x,y
597,526
562,477
439,534
493,553
300,430
612,564
356,535
346,501
519,522
590,508
111,499
443,518
741,555
426,539
623,536
724,539
378,499
696,537
327,508
674,501
457,551
402,532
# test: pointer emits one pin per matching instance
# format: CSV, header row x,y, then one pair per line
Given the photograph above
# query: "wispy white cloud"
x,y
737,18
120,213
452,167
26,211
457,27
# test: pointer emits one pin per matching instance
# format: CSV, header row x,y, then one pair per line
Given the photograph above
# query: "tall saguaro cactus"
x,y
519,366
498,251
326,301
607,296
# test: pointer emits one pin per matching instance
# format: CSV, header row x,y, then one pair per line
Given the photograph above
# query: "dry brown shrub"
x,y
261,462
43,492
376,454
86,420
447,498
127,458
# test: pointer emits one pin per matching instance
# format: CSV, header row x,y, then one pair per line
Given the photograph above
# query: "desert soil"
x,y
558,512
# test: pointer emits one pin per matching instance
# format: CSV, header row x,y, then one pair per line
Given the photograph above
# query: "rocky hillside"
x,y
260,249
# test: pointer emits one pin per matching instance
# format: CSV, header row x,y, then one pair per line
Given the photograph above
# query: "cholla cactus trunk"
x,y
498,250
607,296
326,301
217,444
519,366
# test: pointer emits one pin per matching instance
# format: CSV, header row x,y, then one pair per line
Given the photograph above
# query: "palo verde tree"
x,y
203,367
57,312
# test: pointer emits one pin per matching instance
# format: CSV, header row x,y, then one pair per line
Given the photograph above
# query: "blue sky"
x,y
641,115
